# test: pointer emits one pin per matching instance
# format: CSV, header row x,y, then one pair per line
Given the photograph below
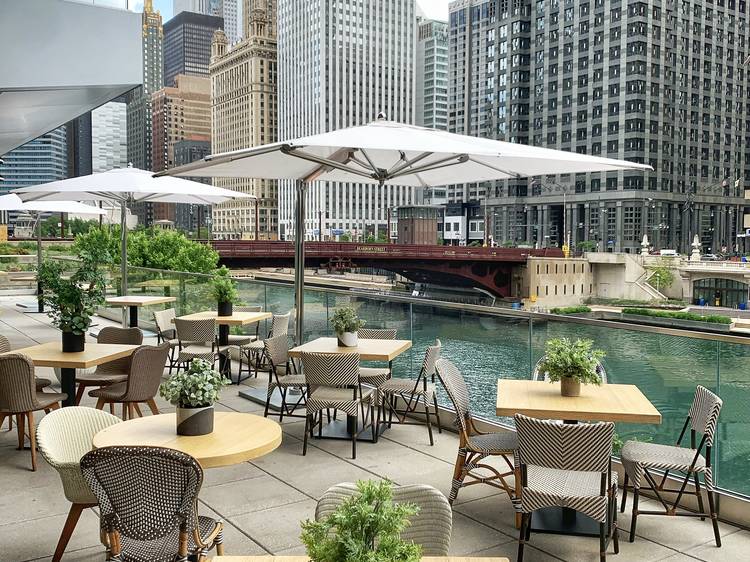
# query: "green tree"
x,y
586,246
346,237
661,277
78,226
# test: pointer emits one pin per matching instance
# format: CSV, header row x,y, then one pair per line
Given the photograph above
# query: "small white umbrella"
x,y
13,202
125,186
393,153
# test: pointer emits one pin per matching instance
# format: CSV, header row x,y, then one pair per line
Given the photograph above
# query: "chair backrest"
x,y
537,375
125,336
455,386
430,358
277,350
337,370
377,333
17,383
704,413
430,528
163,320
195,331
248,308
585,446
280,324
144,493
4,344
63,436
146,370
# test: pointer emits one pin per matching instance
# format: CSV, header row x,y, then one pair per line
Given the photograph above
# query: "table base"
x,y
258,395
339,429
563,521
68,385
133,316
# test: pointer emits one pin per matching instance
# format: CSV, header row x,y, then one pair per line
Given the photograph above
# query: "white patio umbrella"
x,y
126,186
13,202
393,153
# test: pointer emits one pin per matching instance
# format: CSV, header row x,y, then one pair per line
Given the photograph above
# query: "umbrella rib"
x,y
292,151
515,175
406,163
453,160
369,161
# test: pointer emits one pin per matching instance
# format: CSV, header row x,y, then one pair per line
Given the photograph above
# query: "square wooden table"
x,y
133,302
51,355
607,402
307,558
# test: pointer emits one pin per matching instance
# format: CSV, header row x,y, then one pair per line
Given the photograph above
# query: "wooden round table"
x,y
236,437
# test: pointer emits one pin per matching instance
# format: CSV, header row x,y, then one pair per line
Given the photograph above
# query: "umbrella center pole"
x,y
299,260
124,257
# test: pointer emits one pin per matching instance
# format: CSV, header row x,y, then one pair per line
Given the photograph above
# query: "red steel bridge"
x,y
486,268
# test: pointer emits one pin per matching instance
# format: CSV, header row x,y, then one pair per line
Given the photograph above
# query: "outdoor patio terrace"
x,y
262,502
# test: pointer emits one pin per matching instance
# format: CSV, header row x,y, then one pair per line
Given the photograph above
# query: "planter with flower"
x,y
571,363
193,393
345,323
224,290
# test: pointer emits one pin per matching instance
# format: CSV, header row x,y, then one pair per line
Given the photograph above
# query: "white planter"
x,y
348,339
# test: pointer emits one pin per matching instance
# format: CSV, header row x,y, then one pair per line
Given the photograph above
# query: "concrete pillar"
x,y
618,228
528,213
543,217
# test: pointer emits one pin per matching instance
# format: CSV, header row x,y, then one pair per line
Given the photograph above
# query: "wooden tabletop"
x,y
236,437
369,350
51,355
236,319
607,402
138,300
307,559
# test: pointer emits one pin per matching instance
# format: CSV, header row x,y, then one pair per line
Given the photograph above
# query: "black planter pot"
x,y
195,421
225,309
72,343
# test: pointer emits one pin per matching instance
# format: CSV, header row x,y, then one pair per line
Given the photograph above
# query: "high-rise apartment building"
x,y
432,74
657,82
192,218
227,10
139,116
109,137
179,113
244,114
187,45
340,65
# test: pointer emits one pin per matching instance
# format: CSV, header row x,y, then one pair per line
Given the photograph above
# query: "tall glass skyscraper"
x,y
187,45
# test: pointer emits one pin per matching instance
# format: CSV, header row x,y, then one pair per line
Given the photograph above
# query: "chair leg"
x,y
602,542
354,437
624,493
152,405
429,423
20,428
136,410
307,429
634,518
714,516
283,404
437,413
458,475
100,404
124,412
522,535
70,524
79,393
615,532
698,494
32,439
112,408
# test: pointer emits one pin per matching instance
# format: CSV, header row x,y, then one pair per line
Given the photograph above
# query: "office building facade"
x,y
329,80
652,82
230,11
244,114
109,137
193,219
432,74
187,45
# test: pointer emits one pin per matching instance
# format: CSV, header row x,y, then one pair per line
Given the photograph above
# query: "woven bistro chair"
x,y
643,460
375,376
166,332
413,393
474,445
142,384
430,528
282,375
246,339
196,340
537,375
333,384
111,372
148,502
19,397
569,466
253,353
41,383
63,437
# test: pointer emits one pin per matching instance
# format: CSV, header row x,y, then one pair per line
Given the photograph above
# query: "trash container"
x,y
516,306
743,306
701,302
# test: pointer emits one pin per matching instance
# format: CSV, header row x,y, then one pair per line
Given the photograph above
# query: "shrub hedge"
x,y
710,318
570,310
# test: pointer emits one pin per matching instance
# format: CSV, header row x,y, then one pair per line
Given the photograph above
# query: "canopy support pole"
x,y
299,261
124,257
39,288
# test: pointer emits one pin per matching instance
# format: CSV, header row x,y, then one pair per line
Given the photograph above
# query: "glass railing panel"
x,y
733,438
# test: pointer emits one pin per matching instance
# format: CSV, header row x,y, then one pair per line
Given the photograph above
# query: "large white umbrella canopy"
x,y
386,152
125,186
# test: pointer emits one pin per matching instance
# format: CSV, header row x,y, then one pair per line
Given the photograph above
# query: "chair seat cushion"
x,y
286,381
550,487
494,443
110,392
42,383
374,376
196,352
165,549
338,399
46,399
407,386
241,339
255,346
637,456
101,379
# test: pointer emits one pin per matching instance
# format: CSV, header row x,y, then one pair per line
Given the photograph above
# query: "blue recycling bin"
x,y
702,302
743,306
516,306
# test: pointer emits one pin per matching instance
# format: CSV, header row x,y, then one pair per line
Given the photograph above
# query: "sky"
x,y
434,9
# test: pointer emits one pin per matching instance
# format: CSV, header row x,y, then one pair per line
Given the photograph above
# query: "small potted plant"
x,y
571,363
345,323
224,290
193,393
364,528
72,301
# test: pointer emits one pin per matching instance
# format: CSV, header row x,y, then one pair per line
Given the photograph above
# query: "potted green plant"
x,y
193,393
571,363
224,290
345,323
72,300
364,528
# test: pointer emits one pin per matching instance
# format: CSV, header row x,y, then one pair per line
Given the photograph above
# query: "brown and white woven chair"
x,y
282,375
430,528
196,340
569,466
375,376
474,445
333,384
166,332
245,339
413,393
113,371
148,498
41,383
19,397
63,437
253,353
643,461
142,384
